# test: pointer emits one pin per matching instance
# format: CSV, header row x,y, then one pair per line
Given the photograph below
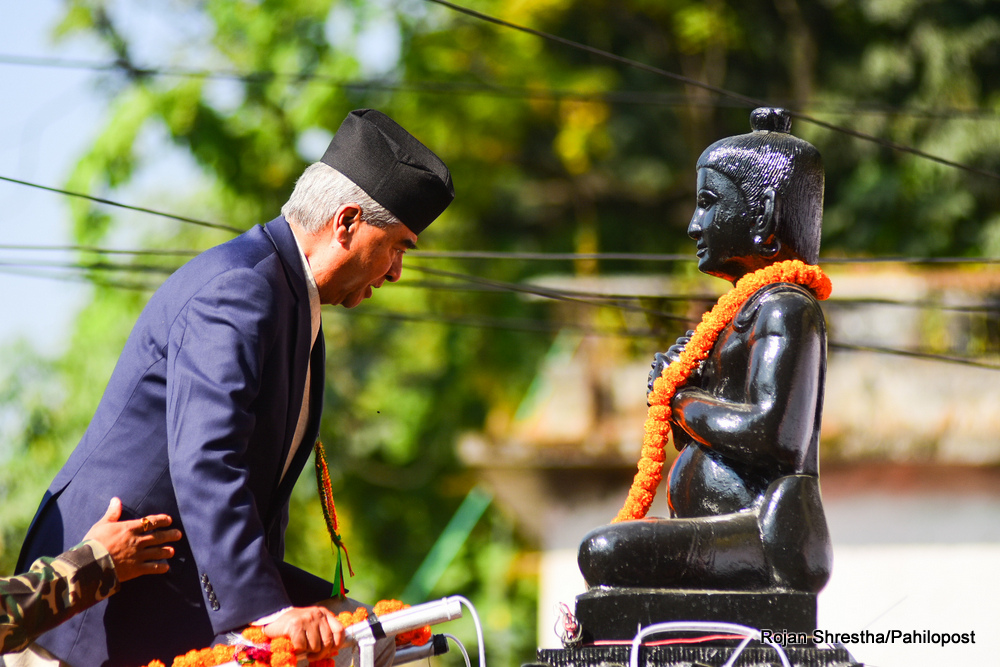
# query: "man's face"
x,y
722,227
376,256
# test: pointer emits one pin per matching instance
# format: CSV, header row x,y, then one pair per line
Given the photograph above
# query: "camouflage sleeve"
x,y
53,590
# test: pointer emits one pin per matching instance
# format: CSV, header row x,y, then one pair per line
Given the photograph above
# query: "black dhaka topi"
x,y
392,166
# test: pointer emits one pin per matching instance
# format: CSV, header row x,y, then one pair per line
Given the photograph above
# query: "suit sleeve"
x,y
53,591
217,350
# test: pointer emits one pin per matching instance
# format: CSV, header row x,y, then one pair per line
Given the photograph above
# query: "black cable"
x,y
487,285
451,87
90,266
125,206
538,256
97,250
749,101
674,257
930,356
550,256
535,326
910,260
78,278
514,324
558,295
496,323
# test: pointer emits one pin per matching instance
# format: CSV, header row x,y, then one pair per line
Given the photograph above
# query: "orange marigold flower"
x,y
255,635
388,606
417,637
657,425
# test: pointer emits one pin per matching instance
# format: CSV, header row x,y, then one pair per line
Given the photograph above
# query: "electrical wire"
x,y
535,326
579,296
513,324
914,354
109,202
479,628
559,295
461,647
493,286
98,250
506,254
91,266
748,633
613,301
641,98
744,99
80,279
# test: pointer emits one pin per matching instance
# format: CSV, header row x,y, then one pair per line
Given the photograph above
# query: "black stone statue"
x,y
744,498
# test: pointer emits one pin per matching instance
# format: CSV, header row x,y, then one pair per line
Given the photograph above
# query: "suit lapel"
x,y
316,386
281,235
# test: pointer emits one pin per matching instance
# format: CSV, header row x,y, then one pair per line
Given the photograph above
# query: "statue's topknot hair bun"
x,y
770,119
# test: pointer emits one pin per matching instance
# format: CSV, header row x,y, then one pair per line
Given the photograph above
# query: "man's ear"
x,y
344,222
765,227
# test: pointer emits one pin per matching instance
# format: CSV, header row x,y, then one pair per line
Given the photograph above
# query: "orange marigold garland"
x,y
260,651
657,426
330,515
417,637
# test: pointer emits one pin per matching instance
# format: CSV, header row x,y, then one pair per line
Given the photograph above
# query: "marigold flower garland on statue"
x,y
657,426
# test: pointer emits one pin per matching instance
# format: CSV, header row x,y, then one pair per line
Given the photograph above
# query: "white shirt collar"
x,y
312,289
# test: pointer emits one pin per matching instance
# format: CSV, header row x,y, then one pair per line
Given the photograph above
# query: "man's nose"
x,y
395,271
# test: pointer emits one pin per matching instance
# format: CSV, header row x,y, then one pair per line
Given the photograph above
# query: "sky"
x,y
48,117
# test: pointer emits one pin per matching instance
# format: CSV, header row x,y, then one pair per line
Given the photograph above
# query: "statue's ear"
x,y
765,228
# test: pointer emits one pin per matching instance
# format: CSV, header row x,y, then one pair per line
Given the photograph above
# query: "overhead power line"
x,y
915,354
89,266
467,282
76,277
631,97
98,250
527,256
675,257
749,101
109,202
592,299
553,327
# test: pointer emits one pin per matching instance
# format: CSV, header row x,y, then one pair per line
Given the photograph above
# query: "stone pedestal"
x,y
616,613
613,617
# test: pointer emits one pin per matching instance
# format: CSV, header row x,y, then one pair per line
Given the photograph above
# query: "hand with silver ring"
x,y
137,547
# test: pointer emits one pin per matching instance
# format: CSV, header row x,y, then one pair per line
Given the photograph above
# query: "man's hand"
x,y
135,546
314,631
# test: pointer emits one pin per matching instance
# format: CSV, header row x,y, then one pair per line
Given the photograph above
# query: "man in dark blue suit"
x,y
214,404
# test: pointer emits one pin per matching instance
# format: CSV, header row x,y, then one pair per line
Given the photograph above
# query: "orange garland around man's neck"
x,y
657,429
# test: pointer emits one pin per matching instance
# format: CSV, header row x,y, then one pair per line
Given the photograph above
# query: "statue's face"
x,y
721,225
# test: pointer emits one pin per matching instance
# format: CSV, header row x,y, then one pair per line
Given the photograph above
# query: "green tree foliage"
x,y
551,148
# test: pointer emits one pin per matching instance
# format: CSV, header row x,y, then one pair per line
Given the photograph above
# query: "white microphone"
x,y
405,620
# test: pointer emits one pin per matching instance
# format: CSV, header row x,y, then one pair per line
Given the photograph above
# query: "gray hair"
x,y
321,190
